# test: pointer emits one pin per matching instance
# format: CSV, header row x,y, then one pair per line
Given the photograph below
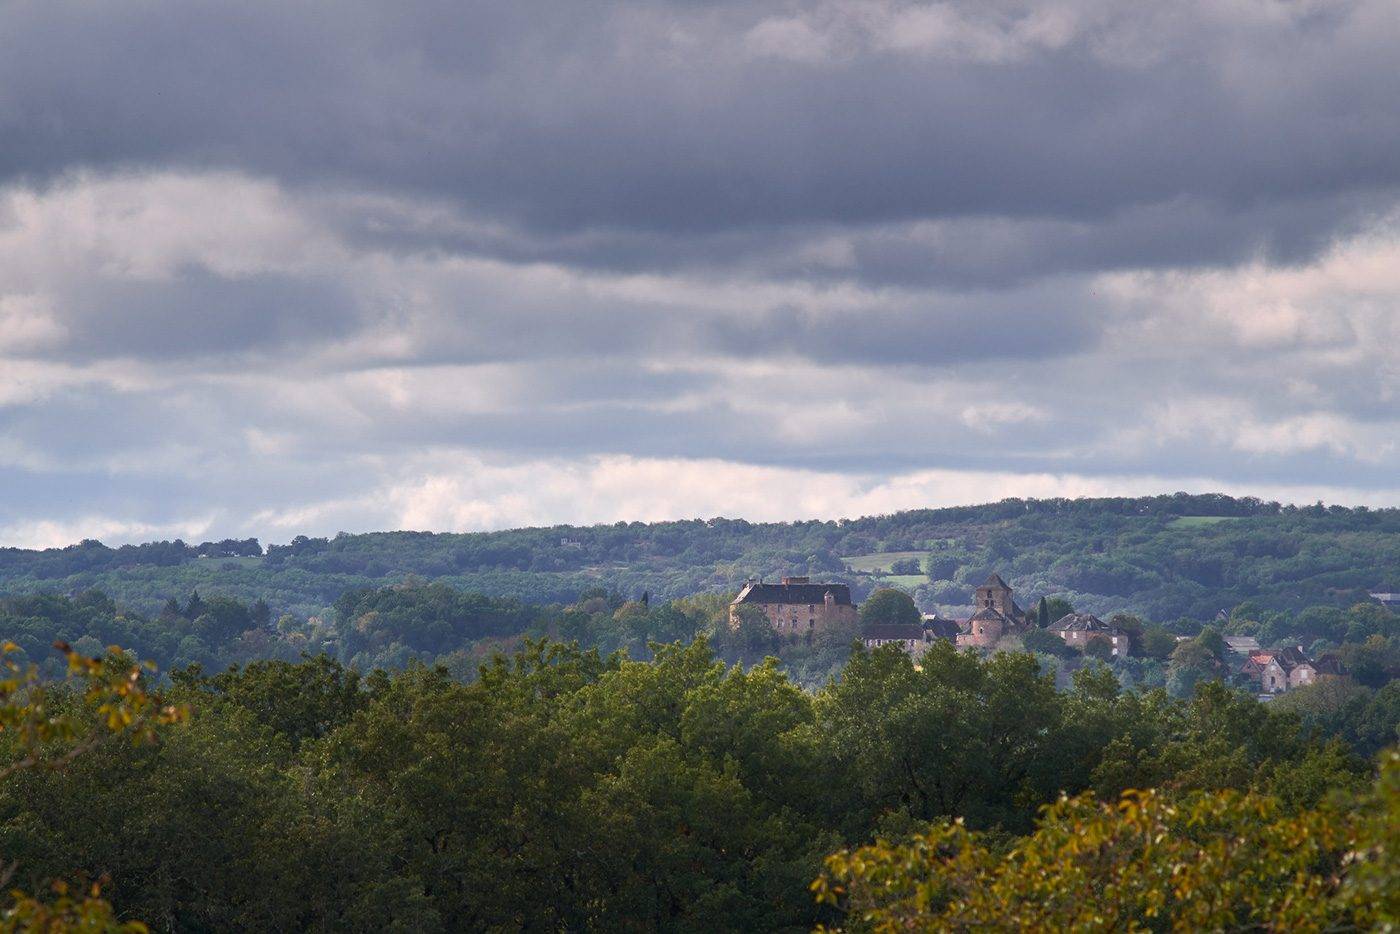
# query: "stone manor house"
x,y
797,605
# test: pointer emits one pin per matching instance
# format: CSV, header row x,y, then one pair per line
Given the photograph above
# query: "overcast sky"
x,y
273,268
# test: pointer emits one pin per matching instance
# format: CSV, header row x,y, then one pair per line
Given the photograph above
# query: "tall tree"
x,y
888,605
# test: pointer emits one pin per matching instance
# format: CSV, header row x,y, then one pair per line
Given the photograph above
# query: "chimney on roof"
x,y
794,580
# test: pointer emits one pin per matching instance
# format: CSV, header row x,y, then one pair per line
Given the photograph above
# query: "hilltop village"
x,y
796,606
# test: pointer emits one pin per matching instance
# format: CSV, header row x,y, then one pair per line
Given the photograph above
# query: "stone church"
x,y
995,615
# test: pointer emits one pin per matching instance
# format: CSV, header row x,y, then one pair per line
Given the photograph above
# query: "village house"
x,y
797,605
911,637
1389,600
1277,671
995,615
915,638
1079,629
936,627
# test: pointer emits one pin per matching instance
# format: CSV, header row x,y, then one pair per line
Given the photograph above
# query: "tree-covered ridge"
x,y
434,624
1144,555
568,789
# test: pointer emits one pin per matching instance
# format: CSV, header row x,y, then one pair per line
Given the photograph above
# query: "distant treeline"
x,y
92,555
1141,555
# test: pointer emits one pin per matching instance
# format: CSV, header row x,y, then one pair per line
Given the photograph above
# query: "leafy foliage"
x,y
44,727
47,728
888,605
1153,861
88,913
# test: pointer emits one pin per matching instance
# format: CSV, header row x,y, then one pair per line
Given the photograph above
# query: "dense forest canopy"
x,y
567,789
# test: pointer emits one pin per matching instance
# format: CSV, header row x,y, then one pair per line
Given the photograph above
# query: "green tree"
x,y
941,567
1157,642
1373,662
1099,647
1371,619
750,638
1040,640
298,701
888,605
194,607
1212,641
1154,861
1057,608
956,736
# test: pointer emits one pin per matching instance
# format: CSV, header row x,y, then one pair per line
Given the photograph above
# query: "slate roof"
x,y
1242,645
1080,622
990,613
808,594
941,628
904,631
1329,665
996,581
1292,657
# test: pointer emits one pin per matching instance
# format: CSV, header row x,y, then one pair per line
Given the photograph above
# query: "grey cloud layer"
x,y
1193,132
254,256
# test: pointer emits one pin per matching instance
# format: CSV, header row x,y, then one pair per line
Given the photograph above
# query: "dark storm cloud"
x,y
965,252
198,313
656,118
1001,327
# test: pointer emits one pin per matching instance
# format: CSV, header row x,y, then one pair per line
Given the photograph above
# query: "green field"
x,y
231,562
1193,522
874,564
904,581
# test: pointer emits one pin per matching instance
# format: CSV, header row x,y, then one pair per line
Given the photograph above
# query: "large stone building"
x,y
995,615
1079,629
797,605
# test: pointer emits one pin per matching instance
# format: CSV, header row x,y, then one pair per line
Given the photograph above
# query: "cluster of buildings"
x,y
1275,671
798,606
